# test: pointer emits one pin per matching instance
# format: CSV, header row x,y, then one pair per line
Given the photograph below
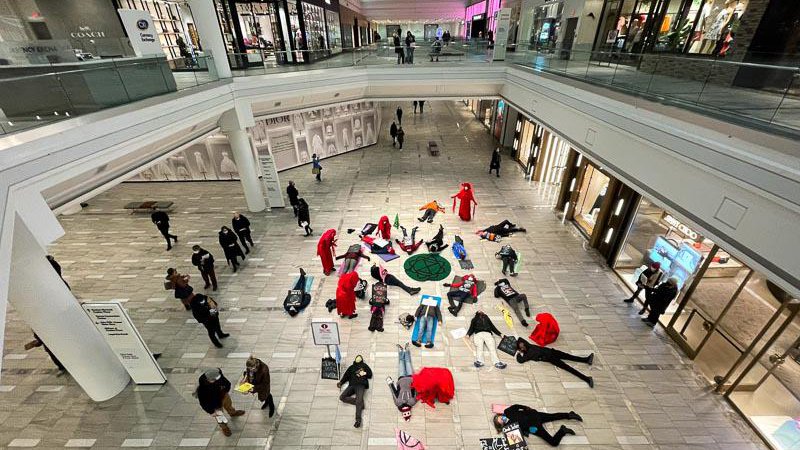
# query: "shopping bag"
x,y
508,345
315,170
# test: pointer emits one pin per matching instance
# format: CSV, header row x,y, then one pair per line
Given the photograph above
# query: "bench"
x,y
148,206
447,54
433,148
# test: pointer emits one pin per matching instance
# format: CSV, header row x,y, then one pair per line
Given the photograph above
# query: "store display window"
x,y
715,26
624,25
546,26
315,35
334,31
590,197
499,119
176,31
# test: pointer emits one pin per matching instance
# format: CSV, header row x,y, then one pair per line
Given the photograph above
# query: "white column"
x,y
205,19
43,301
234,124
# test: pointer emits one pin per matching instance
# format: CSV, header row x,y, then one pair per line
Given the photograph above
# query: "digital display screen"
x,y
688,258
663,252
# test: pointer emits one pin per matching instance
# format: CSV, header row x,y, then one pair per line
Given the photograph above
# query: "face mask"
x,y
359,359
196,252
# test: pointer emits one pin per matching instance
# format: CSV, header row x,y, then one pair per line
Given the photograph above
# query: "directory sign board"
x,y
325,332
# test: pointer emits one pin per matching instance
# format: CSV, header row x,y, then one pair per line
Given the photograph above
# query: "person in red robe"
x,y
546,332
434,384
346,295
467,207
326,250
385,228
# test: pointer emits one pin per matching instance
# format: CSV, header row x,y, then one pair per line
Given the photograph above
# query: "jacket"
x,y
260,381
434,205
291,191
396,43
503,289
228,240
401,135
357,374
652,277
495,160
302,213
240,224
531,352
393,130
525,416
432,311
210,395
660,297
201,261
181,285
402,392
203,308
462,286
480,323
161,219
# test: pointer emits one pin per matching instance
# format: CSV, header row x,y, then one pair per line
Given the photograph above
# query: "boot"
x,y
226,430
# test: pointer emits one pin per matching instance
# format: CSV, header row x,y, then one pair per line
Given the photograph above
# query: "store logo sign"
x,y
675,223
142,24
87,32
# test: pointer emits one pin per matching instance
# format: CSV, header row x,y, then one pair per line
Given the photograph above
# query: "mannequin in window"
x,y
715,30
702,26
598,201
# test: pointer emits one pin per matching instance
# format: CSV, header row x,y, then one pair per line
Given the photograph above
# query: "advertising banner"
x,y
325,332
272,184
141,32
501,34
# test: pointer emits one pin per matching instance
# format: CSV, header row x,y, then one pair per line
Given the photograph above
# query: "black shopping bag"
x,y
508,345
329,369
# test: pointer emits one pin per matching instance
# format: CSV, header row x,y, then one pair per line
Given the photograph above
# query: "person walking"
x,y
241,226
213,393
204,261
495,163
304,216
393,133
357,378
399,114
398,48
648,278
415,106
436,49
482,329
401,136
57,268
411,43
446,37
206,311
421,106
256,372
161,219
230,245
316,167
291,191
658,299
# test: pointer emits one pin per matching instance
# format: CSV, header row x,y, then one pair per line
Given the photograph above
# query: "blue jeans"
x,y
426,329
404,367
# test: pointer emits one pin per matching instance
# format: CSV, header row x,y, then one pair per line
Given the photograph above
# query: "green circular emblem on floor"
x,y
427,267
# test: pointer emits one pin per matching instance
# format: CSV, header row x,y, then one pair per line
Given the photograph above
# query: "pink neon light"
x,y
474,10
494,5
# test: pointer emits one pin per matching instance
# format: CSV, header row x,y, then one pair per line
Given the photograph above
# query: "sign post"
x,y
141,32
326,332
116,326
269,176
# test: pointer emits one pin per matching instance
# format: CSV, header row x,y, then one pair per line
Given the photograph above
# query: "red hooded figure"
x,y
546,331
385,228
433,384
346,294
325,250
466,209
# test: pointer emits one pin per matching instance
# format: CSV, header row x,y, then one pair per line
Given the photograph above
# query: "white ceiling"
x,y
383,10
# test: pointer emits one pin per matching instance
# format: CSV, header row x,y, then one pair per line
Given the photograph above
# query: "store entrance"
x,y
478,29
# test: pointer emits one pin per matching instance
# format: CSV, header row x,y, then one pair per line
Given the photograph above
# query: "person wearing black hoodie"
x,y
293,194
393,133
230,245
495,163
161,219
531,421
481,329
502,288
532,352
213,394
241,226
304,216
357,378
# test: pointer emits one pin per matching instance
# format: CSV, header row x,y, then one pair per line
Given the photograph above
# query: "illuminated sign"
x,y
683,229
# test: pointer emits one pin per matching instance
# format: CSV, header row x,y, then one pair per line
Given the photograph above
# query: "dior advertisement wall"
x,y
291,139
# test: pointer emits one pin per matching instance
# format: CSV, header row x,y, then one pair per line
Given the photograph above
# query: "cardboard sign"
x,y
514,439
329,369
325,332
498,443
458,333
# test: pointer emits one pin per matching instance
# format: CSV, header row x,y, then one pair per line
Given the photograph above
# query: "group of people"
x,y
404,47
396,131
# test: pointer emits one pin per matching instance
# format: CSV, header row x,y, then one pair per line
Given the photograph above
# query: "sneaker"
x,y
429,345
590,382
217,344
642,311
452,310
224,335
357,424
430,220
416,344
524,323
477,364
568,431
206,286
500,365
237,413
225,429
415,291
513,274
591,359
628,300
420,219
575,416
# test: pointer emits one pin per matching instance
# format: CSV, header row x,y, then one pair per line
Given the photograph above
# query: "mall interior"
x,y
642,150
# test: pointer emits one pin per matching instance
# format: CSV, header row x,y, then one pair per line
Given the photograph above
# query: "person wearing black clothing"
x,y
57,268
495,163
502,288
481,329
531,421
241,226
230,245
357,378
213,393
297,298
421,106
401,58
205,311
657,300
399,113
393,133
304,216
415,106
37,342
291,191
508,255
651,276
504,228
161,219
204,261
410,45
446,37
401,136
381,274
532,352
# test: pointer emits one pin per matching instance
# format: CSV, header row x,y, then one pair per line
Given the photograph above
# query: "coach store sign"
x,y
141,32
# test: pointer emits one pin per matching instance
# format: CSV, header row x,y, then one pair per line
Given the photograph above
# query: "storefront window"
x,y
499,119
546,26
334,31
676,25
298,43
315,27
624,25
528,129
590,198
716,23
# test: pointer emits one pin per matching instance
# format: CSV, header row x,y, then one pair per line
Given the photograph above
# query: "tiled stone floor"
x,y
647,394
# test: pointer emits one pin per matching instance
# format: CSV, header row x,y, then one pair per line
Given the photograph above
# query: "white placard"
x,y
141,32
269,176
458,333
113,322
325,332
430,300
501,34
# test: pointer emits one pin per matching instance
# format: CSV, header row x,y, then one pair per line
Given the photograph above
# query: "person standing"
x,y
401,136
495,163
316,167
57,268
206,312
304,216
398,48
421,106
446,38
658,299
161,219
415,106
648,278
204,261
213,393
399,114
241,226
230,245
291,191
482,329
411,42
256,372
180,283
393,133
357,377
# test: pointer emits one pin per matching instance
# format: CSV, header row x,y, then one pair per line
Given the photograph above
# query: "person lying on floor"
x,y
437,243
354,253
466,288
531,421
532,352
430,211
297,299
508,255
504,229
502,288
409,244
381,274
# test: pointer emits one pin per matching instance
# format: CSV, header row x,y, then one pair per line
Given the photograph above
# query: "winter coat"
x,y
482,323
200,263
211,395
291,191
302,213
660,297
230,244
393,130
357,374
546,331
495,164
260,381
240,224
161,219
203,308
